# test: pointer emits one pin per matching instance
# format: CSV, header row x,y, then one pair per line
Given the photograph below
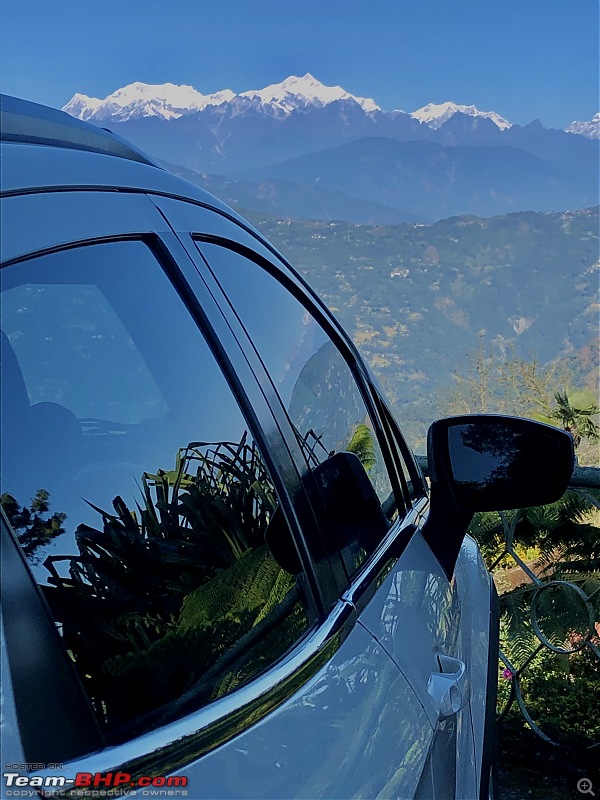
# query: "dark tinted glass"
x,y
138,494
506,462
314,381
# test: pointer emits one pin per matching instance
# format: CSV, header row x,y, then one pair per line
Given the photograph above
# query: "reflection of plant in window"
x,y
363,446
181,597
33,531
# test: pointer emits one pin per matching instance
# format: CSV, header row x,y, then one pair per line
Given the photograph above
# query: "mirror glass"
x,y
507,462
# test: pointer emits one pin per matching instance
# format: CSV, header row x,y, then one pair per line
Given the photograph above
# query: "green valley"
x,y
418,300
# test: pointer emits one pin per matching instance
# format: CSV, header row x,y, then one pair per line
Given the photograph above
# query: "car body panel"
x,y
417,615
480,634
313,744
356,730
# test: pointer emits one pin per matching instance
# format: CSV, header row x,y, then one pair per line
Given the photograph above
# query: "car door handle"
x,y
448,686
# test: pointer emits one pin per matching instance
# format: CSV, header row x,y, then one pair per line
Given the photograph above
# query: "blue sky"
x,y
521,58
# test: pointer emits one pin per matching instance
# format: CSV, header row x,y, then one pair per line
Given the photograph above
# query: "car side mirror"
x,y
492,463
484,462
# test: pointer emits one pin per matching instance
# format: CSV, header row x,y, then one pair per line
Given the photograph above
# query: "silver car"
x,y
224,574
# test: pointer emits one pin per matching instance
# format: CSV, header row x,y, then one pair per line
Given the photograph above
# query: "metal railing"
x,y
583,479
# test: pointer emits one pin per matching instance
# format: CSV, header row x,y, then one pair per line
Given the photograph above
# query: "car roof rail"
x,y
30,123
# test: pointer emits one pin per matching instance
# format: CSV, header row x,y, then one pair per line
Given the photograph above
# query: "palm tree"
x,y
574,411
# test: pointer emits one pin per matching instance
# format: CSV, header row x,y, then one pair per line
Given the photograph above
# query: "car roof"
x,y
45,149
31,123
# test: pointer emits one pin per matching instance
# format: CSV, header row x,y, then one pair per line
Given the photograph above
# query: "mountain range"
x,y
301,149
169,101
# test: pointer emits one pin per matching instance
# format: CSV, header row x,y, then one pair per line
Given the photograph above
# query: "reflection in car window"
x,y
61,366
314,381
136,490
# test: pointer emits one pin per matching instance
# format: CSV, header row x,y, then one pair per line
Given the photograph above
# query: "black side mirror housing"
x,y
484,462
492,463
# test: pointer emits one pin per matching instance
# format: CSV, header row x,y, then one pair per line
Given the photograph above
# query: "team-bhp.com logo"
x,y
18,785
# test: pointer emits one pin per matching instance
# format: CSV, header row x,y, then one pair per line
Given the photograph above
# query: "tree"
x,y
574,411
502,383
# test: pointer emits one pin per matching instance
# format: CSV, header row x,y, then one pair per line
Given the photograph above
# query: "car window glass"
x,y
59,366
314,381
136,489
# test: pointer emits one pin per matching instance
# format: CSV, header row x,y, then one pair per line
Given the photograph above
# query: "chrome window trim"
x,y
387,553
174,746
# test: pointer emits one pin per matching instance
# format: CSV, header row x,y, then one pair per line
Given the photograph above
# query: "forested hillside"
x,y
419,299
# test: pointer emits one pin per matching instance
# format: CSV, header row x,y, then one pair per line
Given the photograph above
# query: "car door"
x,y
414,614
121,367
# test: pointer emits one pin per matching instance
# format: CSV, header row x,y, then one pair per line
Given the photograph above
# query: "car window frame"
x,y
171,259
407,464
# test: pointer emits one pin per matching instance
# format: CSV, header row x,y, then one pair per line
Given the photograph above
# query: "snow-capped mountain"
x,y
294,92
591,129
136,100
436,114
169,101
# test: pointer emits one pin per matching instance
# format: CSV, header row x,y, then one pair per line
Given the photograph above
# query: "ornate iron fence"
x,y
536,593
